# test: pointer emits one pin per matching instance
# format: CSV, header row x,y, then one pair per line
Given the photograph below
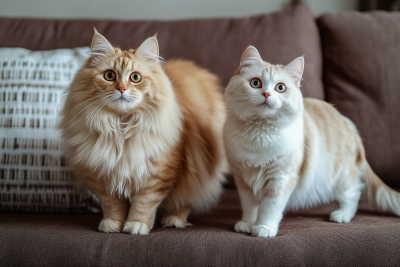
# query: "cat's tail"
x,y
379,195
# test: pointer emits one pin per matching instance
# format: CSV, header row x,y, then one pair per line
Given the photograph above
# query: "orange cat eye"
x,y
110,75
136,77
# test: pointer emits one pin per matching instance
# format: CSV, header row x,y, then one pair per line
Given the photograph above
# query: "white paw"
x,y
263,231
339,216
110,226
174,221
136,228
243,227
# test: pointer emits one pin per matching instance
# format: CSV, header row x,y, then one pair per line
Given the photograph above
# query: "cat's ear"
x,y
148,50
100,47
295,69
250,57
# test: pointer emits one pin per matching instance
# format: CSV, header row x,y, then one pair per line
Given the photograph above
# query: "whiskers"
x,y
284,113
145,119
150,106
87,112
244,106
90,111
90,117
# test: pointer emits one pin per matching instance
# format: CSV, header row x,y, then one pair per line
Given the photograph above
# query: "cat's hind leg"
x,y
176,217
347,193
176,208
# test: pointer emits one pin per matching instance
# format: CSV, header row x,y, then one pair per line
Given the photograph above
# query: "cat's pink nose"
x,y
266,95
121,89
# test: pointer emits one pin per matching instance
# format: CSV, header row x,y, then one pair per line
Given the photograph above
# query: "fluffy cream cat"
x,y
139,133
286,151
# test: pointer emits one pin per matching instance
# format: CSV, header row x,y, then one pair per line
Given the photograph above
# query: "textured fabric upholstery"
x,y
304,239
362,79
34,174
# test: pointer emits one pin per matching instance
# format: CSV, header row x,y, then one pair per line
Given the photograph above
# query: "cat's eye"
x,y
136,77
109,75
255,83
280,88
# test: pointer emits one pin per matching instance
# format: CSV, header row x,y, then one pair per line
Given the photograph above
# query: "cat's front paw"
x,y
339,216
110,226
174,221
263,231
243,227
136,228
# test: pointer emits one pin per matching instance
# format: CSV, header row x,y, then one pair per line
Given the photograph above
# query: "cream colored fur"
x,y
150,143
290,152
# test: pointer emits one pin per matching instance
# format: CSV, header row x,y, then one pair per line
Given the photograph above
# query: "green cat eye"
x,y
109,75
136,77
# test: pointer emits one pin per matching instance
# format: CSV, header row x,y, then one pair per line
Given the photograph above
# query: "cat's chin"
x,y
264,105
267,110
264,110
122,105
271,105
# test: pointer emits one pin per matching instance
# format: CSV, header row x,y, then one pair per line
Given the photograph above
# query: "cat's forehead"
x,y
265,70
271,71
124,60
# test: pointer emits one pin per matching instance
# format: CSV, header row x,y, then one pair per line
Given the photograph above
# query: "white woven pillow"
x,y
34,175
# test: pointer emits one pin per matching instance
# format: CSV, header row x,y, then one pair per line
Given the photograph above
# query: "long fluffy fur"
x,y
163,146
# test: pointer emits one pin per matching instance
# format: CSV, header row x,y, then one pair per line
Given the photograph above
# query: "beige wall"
x,y
158,9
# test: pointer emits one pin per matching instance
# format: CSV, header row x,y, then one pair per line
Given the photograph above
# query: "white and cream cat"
x,y
287,151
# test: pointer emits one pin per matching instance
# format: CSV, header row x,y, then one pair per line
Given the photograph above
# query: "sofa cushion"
x,y
362,80
216,44
305,239
34,174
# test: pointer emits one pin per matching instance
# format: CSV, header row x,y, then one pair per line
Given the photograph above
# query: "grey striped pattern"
x,y
34,174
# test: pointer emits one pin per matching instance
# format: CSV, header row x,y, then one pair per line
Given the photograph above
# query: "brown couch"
x,y
352,60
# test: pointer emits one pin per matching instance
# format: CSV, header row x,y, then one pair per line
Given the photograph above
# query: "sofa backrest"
x,y
216,44
362,80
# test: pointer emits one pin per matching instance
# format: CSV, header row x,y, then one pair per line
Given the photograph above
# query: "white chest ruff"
x,y
257,145
260,152
122,161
